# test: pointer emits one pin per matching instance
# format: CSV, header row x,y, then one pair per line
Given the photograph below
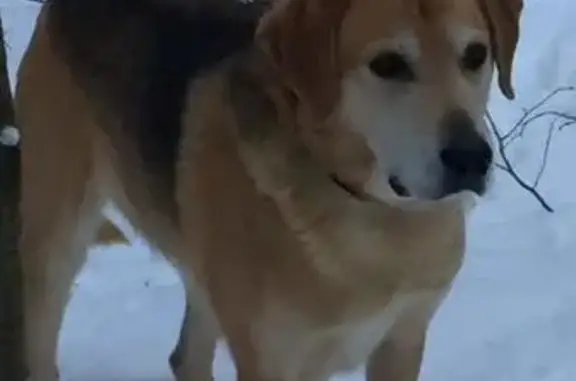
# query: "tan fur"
x,y
302,278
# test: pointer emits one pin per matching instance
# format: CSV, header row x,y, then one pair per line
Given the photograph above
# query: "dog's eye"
x,y
474,56
392,66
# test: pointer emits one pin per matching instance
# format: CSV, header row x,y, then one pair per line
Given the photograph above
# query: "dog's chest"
x,y
292,349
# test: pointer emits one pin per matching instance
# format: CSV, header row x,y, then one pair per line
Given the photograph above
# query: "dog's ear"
x,y
302,38
503,18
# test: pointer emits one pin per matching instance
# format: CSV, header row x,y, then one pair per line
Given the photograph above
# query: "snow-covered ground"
x,y
510,317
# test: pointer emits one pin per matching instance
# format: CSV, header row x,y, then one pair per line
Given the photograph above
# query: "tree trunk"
x,y
12,364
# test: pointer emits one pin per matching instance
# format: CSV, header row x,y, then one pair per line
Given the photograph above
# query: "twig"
x,y
545,154
529,111
520,128
509,168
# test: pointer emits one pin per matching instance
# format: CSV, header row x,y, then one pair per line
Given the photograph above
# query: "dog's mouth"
x,y
394,182
348,188
398,187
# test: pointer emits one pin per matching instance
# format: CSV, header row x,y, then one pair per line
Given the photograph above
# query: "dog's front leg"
x,y
399,355
398,358
194,353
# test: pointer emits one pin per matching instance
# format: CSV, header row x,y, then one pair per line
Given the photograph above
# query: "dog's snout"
x,y
466,152
466,155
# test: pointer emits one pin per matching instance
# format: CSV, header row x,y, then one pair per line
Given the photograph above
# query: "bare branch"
x,y
521,128
509,168
530,111
545,155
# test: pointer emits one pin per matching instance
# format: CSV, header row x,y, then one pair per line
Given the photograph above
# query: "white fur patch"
x,y
392,131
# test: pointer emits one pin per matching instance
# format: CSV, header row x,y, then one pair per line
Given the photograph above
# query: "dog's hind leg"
x,y
55,234
61,204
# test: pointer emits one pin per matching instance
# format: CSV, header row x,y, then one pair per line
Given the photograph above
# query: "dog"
x,y
306,165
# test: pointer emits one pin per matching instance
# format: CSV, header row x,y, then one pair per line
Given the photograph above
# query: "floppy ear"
x,y
302,37
503,17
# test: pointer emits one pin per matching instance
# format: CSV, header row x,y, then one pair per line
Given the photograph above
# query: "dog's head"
x,y
409,77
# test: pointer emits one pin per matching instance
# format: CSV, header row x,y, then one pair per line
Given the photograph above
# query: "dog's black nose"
x,y
466,153
474,160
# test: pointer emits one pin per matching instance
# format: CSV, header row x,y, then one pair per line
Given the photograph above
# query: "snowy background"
x,y
511,316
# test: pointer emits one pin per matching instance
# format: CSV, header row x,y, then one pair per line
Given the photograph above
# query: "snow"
x,y
510,316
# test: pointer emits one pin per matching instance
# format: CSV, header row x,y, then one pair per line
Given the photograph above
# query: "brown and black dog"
x,y
264,149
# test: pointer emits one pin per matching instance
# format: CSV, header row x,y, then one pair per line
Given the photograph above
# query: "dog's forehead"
x,y
369,22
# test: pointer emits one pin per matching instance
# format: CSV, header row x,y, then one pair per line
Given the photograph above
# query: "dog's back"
x,y
137,58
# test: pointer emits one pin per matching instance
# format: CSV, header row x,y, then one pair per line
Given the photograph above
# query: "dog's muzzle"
x,y
466,157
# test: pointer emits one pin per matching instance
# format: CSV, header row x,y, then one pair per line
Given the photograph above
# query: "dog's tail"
x,y
110,234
